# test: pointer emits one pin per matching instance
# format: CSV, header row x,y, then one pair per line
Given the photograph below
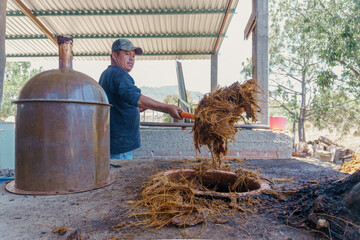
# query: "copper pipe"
x,y
65,52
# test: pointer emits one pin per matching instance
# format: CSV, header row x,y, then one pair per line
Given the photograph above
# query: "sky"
x,y
233,51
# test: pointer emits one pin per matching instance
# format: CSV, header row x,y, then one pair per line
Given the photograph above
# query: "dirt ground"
x,y
92,214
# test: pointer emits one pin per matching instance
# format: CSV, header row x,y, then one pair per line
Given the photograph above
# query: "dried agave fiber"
x,y
217,113
166,200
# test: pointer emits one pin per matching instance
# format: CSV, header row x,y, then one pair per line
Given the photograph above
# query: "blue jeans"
x,y
125,155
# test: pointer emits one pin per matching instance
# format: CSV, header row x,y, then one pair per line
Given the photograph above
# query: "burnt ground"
x,y
92,214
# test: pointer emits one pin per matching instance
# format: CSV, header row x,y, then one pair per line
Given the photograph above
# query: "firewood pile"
x,y
324,149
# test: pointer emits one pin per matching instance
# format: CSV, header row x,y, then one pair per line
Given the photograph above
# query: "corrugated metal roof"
x,y
165,29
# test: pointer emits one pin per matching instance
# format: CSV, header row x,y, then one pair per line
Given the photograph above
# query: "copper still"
x,y
62,131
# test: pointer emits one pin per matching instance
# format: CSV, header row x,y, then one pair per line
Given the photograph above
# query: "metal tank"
x,y
62,131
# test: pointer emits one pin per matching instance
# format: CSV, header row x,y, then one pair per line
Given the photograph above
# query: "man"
x,y
126,100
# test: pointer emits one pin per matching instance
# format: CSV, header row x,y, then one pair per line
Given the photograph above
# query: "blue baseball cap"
x,y
124,44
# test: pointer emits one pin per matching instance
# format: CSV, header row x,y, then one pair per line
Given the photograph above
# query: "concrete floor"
x,y
92,213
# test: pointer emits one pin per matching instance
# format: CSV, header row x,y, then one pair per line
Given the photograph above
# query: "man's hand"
x,y
149,103
174,111
142,109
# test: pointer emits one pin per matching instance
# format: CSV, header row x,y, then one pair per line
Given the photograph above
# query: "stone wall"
x,y
175,143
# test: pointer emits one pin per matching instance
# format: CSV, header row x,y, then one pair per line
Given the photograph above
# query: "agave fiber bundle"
x,y
217,114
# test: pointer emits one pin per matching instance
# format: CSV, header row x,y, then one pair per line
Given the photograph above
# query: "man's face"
x,y
125,59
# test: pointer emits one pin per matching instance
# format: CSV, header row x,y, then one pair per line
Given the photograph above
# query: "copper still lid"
x,y
71,86
63,84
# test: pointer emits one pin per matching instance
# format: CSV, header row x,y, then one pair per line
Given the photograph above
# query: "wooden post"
x,y
3,4
260,59
214,72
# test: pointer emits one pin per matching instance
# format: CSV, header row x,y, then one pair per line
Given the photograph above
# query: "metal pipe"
x,y
65,52
184,125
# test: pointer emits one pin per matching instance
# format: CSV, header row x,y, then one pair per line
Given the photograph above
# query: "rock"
x,y
352,199
322,223
311,150
323,155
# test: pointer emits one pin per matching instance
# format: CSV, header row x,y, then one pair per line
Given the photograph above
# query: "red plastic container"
x,y
278,123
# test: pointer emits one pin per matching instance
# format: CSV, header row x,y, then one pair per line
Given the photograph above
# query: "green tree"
x,y
173,99
170,99
335,26
311,80
343,113
293,63
16,75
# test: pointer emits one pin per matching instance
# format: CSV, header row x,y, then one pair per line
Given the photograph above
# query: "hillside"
x,y
159,93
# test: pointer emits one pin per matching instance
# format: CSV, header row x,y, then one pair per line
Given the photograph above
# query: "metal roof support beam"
x,y
102,12
106,54
97,36
260,58
3,4
222,26
36,21
214,72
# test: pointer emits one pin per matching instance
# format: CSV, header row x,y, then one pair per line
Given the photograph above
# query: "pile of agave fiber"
x,y
217,114
166,200
173,201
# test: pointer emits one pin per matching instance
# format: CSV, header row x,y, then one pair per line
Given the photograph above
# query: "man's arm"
x,y
149,103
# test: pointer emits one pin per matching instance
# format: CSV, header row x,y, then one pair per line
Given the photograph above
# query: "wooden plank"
x,y
328,141
36,21
222,26
250,25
